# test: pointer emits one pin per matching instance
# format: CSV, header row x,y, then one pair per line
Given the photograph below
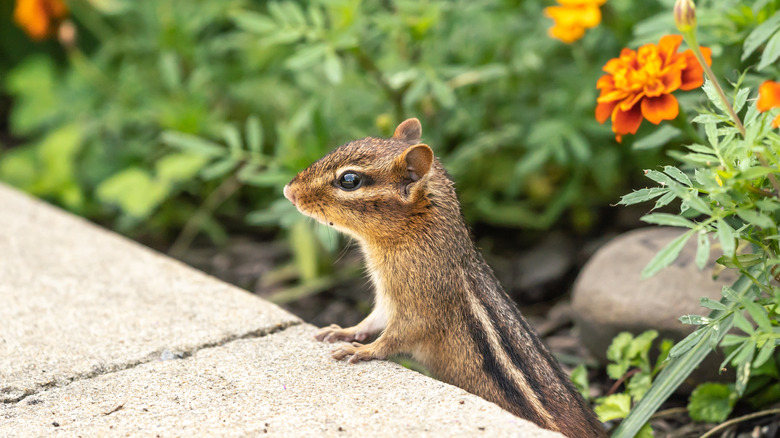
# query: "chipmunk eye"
x,y
350,181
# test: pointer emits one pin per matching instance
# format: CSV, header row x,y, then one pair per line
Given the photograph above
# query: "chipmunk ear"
x,y
409,131
416,160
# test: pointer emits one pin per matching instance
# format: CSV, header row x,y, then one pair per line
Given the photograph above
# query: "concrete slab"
x,y
283,384
77,301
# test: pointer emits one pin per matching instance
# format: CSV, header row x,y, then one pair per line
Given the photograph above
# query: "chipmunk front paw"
x,y
334,333
357,351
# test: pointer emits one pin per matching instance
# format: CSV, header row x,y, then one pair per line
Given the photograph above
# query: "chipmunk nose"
x,y
288,193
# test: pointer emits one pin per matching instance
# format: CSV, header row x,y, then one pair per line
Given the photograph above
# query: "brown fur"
x,y
436,298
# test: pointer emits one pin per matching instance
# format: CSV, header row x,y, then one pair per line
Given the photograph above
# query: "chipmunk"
x,y
436,298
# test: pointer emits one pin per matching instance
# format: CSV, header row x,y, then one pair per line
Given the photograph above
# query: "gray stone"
x,y
77,300
609,295
283,384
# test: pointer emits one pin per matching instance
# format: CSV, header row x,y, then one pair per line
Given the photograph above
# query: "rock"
x,y
609,295
538,274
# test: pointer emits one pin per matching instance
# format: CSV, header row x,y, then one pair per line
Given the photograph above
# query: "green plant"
x,y
727,189
629,365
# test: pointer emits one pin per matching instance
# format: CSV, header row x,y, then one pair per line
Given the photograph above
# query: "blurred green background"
x,y
178,121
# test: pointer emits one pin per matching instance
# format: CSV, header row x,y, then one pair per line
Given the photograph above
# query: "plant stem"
x,y
191,228
690,38
733,421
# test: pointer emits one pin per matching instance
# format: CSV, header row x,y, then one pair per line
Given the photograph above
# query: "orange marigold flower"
x,y
572,17
638,84
38,17
768,98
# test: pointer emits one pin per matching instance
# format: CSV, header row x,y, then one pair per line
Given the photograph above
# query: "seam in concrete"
x,y
113,368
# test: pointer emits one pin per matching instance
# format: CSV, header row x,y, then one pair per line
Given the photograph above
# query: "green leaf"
x,y
695,202
233,139
254,135
667,219
658,138
57,164
711,402
613,407
443,93
307,57
254,22
660,178
714,98
730,340
33,84
666,256
741,261
702,249
179,167
169,70
579,376
193,144
640,346
268,178
712,304
134,191
730,294
755,172
694,319
688,342
333,69
640,195
756,218
678,175
743,376
727,238
218,169
639,384
645,432
303,244
741,98
759,315
742,323
760,34
664,200
618,347
764,353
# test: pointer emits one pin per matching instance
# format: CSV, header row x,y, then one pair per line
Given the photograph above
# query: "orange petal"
x,y
612,95
768,96
567,34
606,82
693,75
604,110
590,16
668,45
672,79
659,108
776,122
631,101
626,122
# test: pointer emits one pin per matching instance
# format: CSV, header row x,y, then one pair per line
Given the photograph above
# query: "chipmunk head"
x,y
370,187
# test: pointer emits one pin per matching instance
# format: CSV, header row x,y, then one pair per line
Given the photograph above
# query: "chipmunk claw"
x,y
357,350
329,333
334,333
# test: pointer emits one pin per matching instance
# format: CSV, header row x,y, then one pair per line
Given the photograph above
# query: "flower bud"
x,y
67,34
685,15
